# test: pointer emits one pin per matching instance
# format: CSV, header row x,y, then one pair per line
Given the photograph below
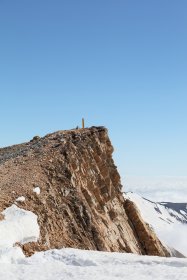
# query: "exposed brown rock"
x,y
81,204
147,237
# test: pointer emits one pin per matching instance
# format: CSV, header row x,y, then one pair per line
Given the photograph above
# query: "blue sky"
x,y
121,64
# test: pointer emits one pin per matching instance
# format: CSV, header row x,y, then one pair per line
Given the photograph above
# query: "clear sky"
x,y
120,63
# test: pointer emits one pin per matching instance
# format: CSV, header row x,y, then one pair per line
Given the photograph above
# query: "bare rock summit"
x,y
69,180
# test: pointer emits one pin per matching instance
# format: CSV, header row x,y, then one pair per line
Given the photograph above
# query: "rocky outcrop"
x,y
79,203
148,239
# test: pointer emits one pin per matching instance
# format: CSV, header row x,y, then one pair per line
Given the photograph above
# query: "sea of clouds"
x,y
167,189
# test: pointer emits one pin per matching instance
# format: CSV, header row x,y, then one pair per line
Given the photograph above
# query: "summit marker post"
x,y
82,122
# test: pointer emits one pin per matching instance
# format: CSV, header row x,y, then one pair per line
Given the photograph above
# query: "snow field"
x,y
66,264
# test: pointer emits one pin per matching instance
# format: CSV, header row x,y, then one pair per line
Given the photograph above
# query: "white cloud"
x,y
172,189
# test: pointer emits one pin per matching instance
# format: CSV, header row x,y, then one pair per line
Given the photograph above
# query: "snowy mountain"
x,y
168,219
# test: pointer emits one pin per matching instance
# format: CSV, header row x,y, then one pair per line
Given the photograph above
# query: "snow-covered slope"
x,y
169,220
66,264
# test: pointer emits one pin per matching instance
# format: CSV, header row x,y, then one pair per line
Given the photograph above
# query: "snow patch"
x,y
18,226
37,190
11,255
20,199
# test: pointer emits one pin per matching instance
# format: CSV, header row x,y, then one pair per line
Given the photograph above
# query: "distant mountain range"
x,y
168,220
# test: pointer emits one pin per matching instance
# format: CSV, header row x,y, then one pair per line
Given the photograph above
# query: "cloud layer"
x,y
173,189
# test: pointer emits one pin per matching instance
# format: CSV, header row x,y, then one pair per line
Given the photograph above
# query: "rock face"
x,y
146,235
69,180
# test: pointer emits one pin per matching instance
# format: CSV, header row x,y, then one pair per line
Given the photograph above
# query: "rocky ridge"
x,y
79,203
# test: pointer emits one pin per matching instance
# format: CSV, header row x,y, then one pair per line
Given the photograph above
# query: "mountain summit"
x,y
69,181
